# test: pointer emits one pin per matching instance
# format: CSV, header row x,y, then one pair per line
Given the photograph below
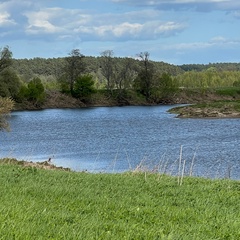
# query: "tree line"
x,y
217,66
80,76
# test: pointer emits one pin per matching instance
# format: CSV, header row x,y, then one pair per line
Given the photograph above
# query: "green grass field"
x,y
55,204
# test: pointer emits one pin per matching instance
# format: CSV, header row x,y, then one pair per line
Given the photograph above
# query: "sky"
x,y
173,31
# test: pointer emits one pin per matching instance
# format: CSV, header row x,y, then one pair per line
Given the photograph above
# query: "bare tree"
x,y
125,73
107,67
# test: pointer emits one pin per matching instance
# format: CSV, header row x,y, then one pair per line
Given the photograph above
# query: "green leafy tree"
x,y
5,58
73,69
23,93
9,83
164,88
84,87
6,105
236,84
34,91
144,81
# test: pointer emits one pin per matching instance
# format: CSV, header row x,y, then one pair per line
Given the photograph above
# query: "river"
x,y
117,139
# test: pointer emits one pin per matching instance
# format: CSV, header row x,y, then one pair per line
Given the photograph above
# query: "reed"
x,y
192,163
180,165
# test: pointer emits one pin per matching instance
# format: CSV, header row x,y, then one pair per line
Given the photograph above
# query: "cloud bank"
x,y
179,5
61,23
176,26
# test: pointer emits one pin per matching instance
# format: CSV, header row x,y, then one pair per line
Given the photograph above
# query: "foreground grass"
x,y
54,204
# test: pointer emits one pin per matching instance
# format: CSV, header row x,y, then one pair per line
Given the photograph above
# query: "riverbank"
x,y
56,99
217,109
37,203
209,104
47,165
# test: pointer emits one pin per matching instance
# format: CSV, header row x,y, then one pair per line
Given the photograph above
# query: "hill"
x,y
54,67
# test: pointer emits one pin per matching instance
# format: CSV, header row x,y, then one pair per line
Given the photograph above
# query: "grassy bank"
x,y
215,109
55,204
56,99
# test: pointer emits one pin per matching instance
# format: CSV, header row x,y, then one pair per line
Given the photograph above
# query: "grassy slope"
x,y
218,103
50,204
219,109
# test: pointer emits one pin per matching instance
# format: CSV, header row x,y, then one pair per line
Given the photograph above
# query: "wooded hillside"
x,y
27,68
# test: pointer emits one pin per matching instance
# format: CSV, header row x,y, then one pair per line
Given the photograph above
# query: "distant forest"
x,y
210,75
217,66
54,66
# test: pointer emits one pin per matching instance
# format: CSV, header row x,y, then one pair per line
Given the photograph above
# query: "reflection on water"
x,y
116,139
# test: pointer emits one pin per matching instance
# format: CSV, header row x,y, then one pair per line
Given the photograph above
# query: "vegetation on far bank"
x,y
43,204
79,81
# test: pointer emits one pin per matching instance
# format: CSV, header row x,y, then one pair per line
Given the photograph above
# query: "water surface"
x,y
116,139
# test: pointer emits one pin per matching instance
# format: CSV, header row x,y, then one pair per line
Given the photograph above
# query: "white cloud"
x,y
5,19
138,24
11,18
40,22
169,28
33,20
200,5
236,14
217,41
132,31
77,23
127,28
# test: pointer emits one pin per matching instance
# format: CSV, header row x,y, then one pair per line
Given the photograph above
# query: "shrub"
x,y
34,91
9,83
84,87
6,105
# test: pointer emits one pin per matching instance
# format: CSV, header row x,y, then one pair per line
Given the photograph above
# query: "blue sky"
x,y
173,31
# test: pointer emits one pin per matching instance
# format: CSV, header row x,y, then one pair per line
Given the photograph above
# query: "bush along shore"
x,y
40,204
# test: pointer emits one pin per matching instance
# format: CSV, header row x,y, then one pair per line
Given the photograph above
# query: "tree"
x,y
107,67
9,83
74,68
5,58
6,105
144,80
84,87
125,73
34,91
164,88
